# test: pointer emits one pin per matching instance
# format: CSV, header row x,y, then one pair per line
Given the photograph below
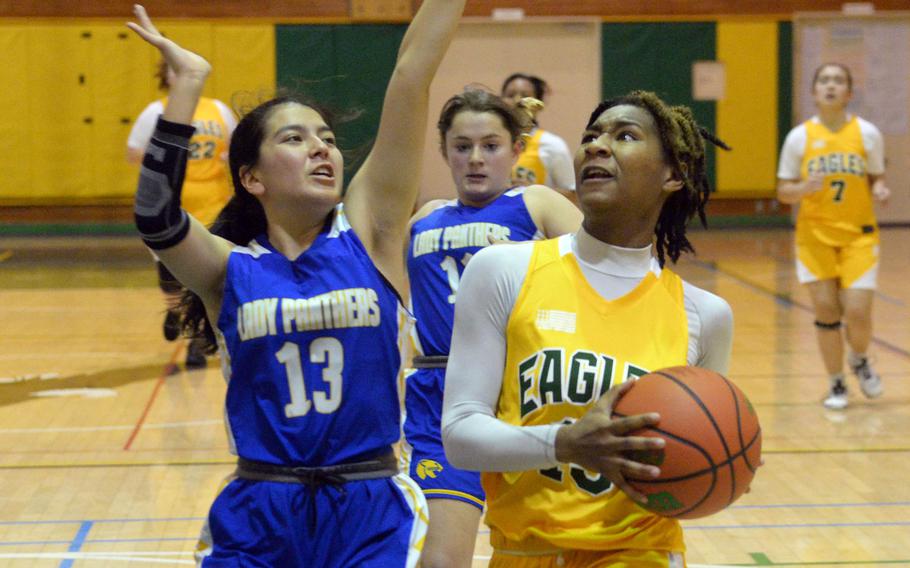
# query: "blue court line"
x,y
100,521
822,505
81,543
890,299
796,526
77,542
785,300
35,542
883,296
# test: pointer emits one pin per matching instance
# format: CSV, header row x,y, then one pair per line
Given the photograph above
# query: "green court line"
x,y
762,559
210,462
58,229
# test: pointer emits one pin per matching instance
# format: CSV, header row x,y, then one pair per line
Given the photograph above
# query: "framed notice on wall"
x,y
875,48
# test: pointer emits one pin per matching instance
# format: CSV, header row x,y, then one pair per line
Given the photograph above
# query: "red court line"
x,y
168,368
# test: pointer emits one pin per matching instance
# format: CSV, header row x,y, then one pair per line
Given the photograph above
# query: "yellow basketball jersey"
x,y
207,186
529,166
566,346
843,209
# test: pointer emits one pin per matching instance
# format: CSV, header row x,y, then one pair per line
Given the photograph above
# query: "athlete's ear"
x,y
249,179
674,180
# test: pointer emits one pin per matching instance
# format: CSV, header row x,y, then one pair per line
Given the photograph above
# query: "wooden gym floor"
x,y
109,453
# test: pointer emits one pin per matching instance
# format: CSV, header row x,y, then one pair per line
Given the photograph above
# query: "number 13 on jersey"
x,y
323,350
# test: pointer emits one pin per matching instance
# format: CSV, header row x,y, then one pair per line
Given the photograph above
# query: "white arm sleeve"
x,y
144,126
474,438
875,148
557,159
710,329
791,155
227,115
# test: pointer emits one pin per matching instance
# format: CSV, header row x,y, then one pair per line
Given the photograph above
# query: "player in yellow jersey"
x,y
207,186
833,165
545,158
548,334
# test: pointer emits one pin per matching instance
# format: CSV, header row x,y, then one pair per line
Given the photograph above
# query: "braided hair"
x,y
683,142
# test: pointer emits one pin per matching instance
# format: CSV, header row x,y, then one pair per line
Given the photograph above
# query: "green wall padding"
x,y
784,80
345,67
658,57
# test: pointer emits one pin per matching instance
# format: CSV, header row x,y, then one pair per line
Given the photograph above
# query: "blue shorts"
x,y
423,452
374,523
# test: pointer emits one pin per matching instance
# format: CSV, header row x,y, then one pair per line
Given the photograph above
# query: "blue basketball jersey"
x,y
442,243
310,351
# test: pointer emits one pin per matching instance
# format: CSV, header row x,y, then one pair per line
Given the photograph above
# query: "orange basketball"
x,y
713,440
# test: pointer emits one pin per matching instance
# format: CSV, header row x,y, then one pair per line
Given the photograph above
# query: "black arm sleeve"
x,y
159,218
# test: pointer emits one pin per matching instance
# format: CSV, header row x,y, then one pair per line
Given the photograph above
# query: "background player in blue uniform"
x,y
481,140
306,310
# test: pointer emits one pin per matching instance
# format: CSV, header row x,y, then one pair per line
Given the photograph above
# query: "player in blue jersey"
x,y
302,296
480,136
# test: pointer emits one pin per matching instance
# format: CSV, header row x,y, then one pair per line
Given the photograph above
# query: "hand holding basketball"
x,y
599,442
713,441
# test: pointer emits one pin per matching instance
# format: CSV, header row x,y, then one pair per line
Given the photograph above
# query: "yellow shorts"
x,y
589,559
855,265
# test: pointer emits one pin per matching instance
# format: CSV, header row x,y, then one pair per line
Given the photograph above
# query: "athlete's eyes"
x,y
462,147
329,140
626,136
491,147
588,137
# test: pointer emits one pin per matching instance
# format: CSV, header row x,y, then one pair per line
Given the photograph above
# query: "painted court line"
x,y
77,542
158,426
785,299
132,557
165,372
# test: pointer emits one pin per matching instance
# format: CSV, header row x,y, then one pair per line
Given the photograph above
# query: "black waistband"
x,y
383,466
430,361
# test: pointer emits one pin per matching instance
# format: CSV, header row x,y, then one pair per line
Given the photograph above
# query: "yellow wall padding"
x,y
15,137
246,63
73,90
747,117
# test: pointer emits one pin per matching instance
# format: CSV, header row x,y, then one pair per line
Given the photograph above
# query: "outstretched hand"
x,y
182,61
598,442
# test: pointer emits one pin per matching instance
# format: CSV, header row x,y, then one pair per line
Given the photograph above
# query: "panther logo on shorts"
x,y
428,468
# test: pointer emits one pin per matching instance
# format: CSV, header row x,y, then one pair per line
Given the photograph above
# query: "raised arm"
x,y
553,213
196,257
381,196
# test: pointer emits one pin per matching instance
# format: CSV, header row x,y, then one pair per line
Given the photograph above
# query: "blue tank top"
x,y
310,352
442,243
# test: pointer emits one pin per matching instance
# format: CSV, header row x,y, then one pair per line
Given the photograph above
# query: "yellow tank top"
x,y
207,186
843,209
566,345
529,168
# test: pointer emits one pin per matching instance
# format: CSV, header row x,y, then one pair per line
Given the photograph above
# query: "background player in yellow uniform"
x,y
206,189
545,158
833,166
543,330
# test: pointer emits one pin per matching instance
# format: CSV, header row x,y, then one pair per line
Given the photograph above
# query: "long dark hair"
x,y
683,142
243,217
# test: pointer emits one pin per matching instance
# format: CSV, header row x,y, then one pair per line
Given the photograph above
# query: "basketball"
x,y
713,440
